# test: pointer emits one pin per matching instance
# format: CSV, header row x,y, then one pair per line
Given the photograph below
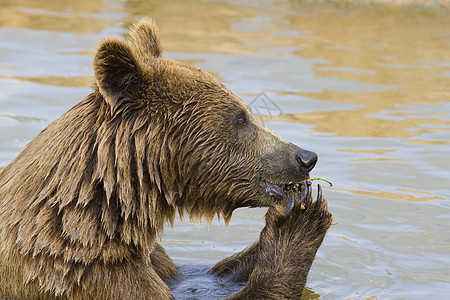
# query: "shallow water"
x,y
365,86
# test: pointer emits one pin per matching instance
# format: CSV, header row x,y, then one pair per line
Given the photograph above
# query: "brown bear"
x,y
82,207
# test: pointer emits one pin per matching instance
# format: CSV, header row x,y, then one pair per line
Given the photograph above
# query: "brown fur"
x,y
276,267
81,208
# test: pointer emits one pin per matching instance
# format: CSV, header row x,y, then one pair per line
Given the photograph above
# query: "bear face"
x,y
214,156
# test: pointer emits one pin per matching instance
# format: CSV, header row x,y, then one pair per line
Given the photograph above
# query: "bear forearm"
x,y
162,263
282,277
286,250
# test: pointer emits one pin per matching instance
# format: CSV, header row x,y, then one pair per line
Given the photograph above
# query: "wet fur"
x,y
82,207
277,266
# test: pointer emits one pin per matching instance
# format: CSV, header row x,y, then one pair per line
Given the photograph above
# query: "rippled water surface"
x,y
365,86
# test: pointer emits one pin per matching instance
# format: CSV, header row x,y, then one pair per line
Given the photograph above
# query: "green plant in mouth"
x,y
295,187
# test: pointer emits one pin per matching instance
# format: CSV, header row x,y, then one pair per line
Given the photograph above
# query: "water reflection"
x,y
75,81
398,196
82,16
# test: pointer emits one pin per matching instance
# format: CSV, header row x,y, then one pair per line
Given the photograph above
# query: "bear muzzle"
x,y
297,168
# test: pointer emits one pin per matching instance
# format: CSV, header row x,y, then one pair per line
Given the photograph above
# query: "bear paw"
x,y
296,227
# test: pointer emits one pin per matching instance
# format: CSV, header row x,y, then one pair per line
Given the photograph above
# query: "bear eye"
x,y
241,119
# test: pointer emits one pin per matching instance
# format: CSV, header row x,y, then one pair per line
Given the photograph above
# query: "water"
x,y
365,86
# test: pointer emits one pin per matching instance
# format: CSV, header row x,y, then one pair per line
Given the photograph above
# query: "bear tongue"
x,y
274,190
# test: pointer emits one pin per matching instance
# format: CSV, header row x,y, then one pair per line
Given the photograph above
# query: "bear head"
x,y
190,139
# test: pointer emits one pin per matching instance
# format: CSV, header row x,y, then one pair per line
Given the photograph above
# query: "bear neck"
x,y
88,181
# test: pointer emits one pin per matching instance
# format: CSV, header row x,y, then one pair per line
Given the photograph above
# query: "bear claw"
x,y
291,202
305,198
305,195
319,193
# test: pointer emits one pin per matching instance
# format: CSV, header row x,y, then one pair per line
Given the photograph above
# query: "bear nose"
x,y
306,160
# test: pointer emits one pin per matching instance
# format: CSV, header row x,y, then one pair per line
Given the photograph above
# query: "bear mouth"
x,y
278,191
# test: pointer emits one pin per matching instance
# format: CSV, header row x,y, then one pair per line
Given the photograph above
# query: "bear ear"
x,y
144,38
117,72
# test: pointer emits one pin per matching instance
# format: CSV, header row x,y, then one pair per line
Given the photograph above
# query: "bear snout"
x,y
287,164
